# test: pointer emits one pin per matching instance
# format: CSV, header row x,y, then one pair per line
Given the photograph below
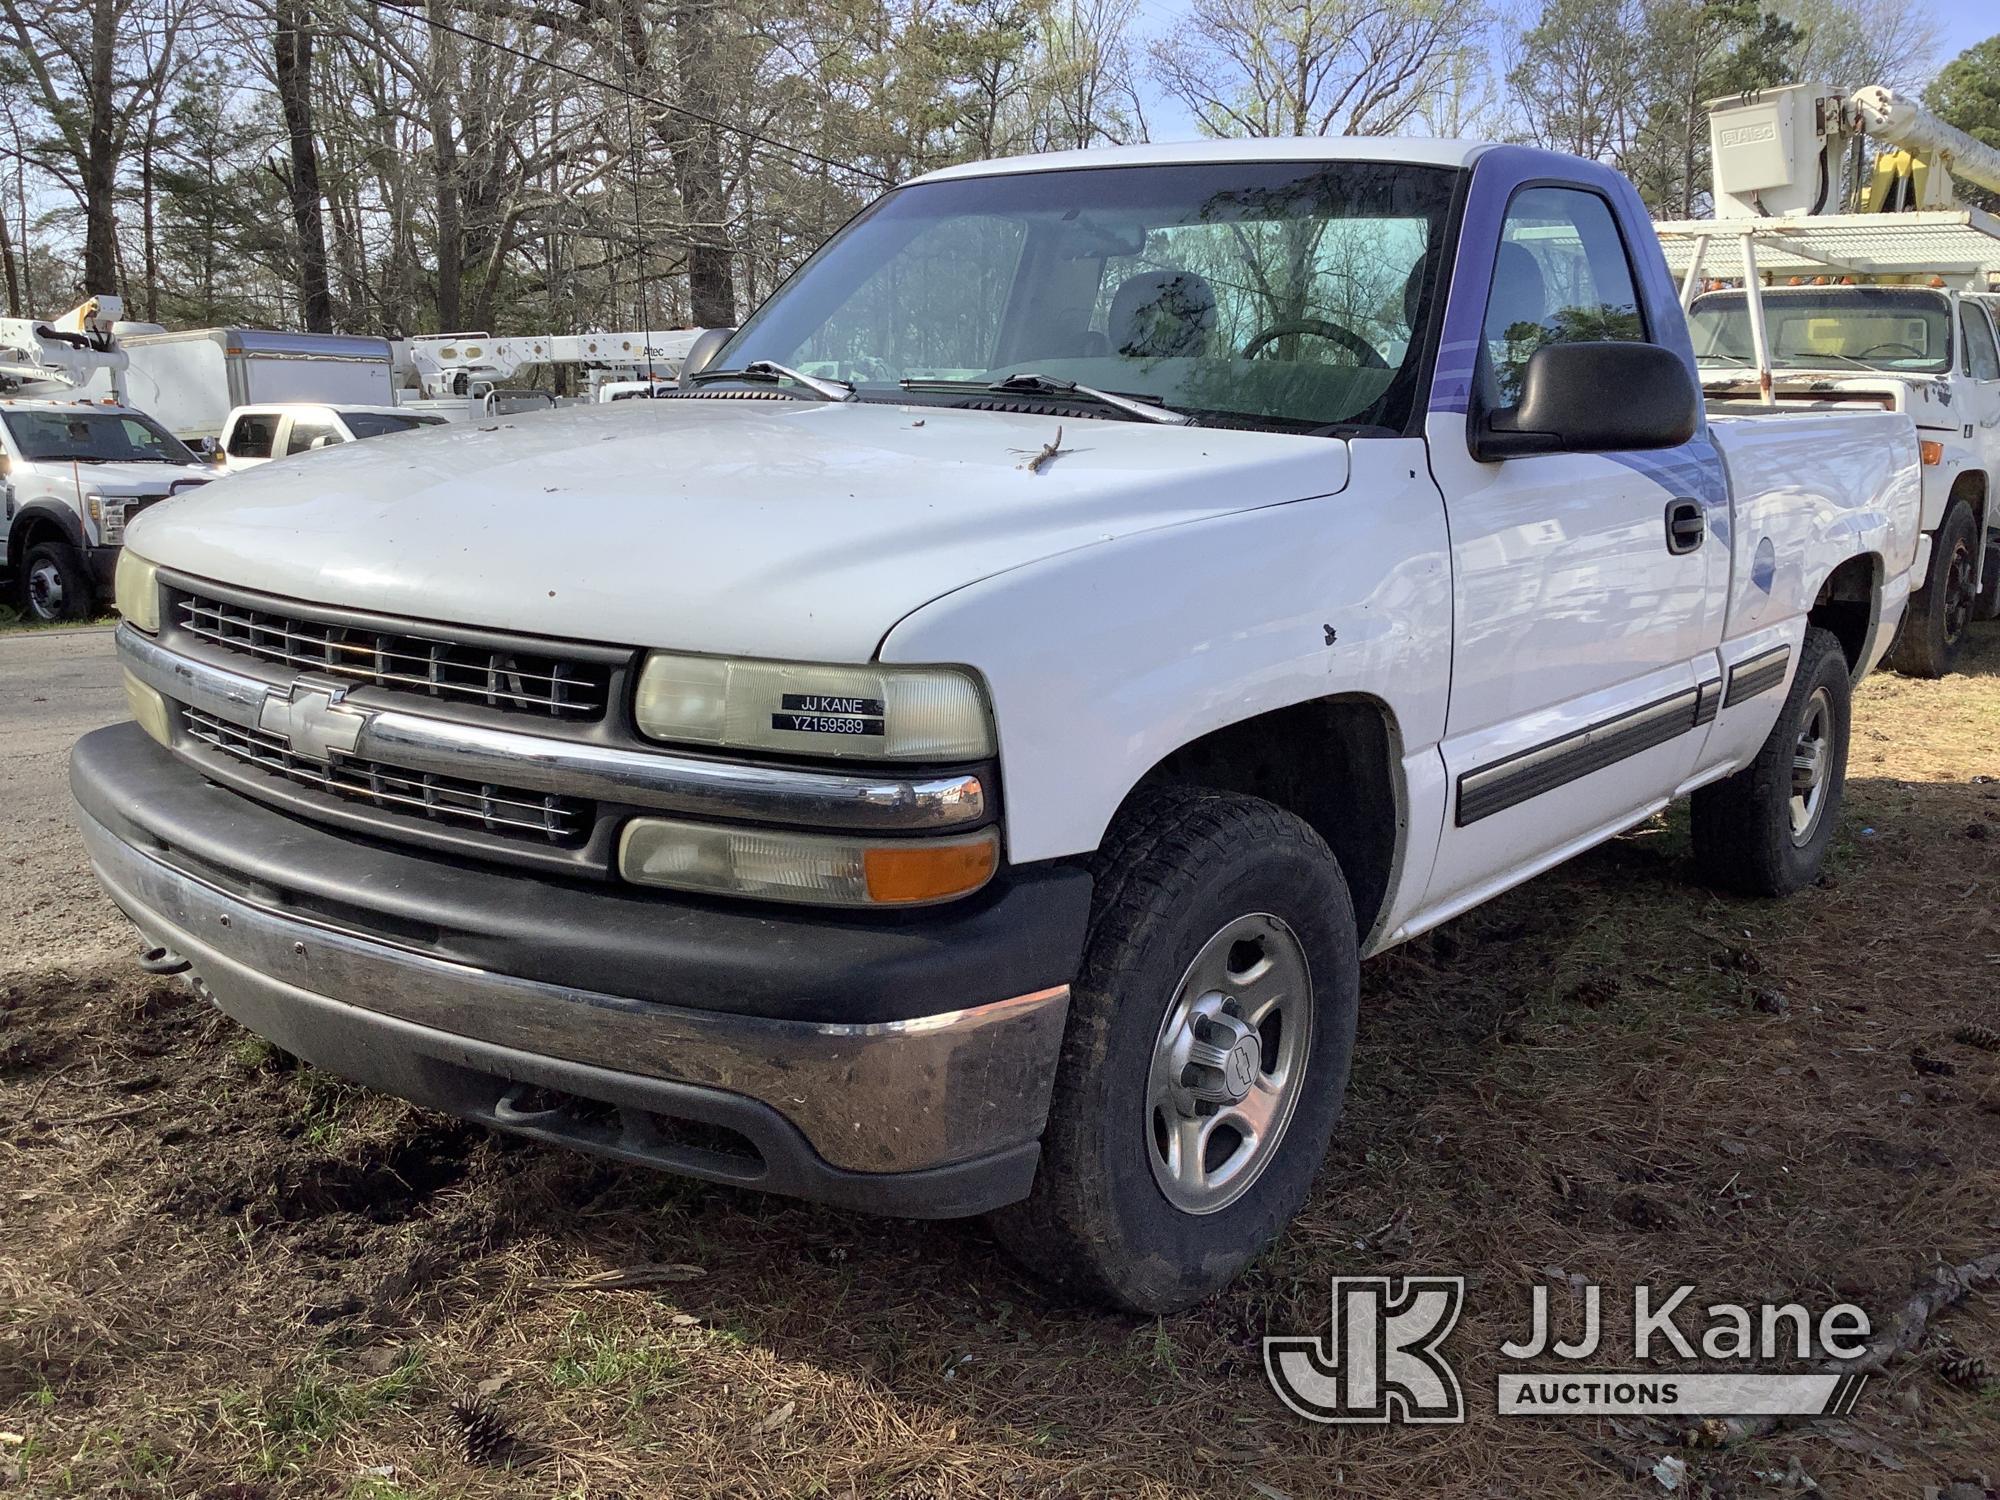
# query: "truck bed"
x,y
1800,481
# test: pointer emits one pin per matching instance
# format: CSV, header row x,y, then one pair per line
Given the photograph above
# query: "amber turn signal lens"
x,y
149,708
773,864
898,874
1931,453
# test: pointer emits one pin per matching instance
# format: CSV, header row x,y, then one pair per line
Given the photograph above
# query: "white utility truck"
x,y
73,470
191,380
254,435
1880,312
965,779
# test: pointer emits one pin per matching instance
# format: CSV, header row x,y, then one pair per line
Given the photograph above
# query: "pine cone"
x,y
1967,1370
1985,1038
482,1433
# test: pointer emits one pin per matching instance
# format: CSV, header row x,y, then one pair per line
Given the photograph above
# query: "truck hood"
x,y
783,528
128,480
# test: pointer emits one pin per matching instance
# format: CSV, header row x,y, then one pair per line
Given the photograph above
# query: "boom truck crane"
x,y
74,469
1861,285
465,375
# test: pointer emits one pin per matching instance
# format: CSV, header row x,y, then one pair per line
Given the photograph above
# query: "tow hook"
x,y
162,961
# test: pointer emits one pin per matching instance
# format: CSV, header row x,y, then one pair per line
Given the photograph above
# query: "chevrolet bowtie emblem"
x,y
313,720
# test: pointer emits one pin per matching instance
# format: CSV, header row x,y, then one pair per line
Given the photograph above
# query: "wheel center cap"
x,y
1241,1067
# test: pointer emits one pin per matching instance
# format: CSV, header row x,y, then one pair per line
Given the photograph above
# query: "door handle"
x,y
1685,527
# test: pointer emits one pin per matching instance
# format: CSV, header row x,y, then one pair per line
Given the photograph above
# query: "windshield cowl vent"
x,y
725,396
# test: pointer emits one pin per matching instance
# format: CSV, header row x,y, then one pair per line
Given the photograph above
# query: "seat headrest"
x,y
1413,291
1519,293
1162,315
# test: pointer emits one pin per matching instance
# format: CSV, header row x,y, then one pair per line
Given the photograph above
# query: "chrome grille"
x,y
519,681
505,811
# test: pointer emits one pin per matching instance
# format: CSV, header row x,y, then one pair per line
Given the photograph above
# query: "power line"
x,y
766,141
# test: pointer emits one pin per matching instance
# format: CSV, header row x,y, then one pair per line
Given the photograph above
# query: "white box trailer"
x,y
189,381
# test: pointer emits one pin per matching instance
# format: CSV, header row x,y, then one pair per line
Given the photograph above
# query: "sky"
x,y
1960,24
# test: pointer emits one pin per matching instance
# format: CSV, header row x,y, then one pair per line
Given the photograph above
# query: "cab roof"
x,y
1414,150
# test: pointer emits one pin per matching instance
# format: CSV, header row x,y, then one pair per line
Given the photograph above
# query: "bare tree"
x,y
1312,67
95,70
1849,43
1578,76
1087,93
292,70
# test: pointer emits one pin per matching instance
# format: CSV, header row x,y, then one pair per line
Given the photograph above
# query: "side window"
x,y
1562,277
1982,359
309,430
252,435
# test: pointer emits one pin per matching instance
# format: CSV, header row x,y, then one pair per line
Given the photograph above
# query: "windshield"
x,y
95,437
368,424
1829,328
1280,295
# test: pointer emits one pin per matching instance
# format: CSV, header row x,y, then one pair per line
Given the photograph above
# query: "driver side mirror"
x,y
1609,397
701,354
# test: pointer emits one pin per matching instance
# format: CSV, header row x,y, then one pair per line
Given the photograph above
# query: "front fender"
x,y
1104,660
63,517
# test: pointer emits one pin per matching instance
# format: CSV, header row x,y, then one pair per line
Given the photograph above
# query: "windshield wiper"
x,y
770,369
1034,383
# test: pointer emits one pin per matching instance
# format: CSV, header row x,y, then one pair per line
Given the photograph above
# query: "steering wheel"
x,y
1910,351
1347,338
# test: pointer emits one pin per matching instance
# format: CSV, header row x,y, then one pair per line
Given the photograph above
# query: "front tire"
x,y
1764,831
1935,624
55,585
1205,1058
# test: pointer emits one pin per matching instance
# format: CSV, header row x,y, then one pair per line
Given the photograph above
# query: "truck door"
x,y
1979,364
1588,588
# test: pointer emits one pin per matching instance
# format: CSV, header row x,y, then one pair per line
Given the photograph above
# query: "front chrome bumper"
x,y
932,1116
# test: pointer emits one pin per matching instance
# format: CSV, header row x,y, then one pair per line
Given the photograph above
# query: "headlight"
x,y
108,516
136,587
774,865
868,713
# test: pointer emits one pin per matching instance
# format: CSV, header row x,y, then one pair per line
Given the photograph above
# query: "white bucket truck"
x,y
1867,309
74,470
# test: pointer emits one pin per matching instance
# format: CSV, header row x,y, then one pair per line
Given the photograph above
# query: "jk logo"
x,y
1379,1361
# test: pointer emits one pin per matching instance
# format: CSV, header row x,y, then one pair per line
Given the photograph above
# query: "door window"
x,y
253,435
309,430
1982,359
1562,277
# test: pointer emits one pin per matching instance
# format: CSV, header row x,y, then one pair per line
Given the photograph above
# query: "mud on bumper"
x,y
928,1101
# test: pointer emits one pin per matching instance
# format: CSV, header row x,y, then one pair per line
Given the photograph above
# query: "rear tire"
x,y
1934,626
1219,986
55,585
1764,831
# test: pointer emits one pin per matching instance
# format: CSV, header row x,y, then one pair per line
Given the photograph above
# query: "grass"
x,y
271,1285
13,622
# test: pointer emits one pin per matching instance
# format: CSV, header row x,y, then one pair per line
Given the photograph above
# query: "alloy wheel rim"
x,y
1812,757
45,591
1229,1064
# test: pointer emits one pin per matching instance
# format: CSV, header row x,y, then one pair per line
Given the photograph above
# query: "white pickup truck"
x,y
965,776
71,474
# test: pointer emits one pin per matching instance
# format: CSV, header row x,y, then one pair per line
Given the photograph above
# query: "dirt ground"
x,y
226,1278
